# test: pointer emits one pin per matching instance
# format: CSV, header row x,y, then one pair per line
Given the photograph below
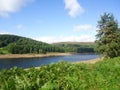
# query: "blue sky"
x,y
55,20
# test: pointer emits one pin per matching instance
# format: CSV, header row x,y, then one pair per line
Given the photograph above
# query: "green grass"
x,y
104,75
3,51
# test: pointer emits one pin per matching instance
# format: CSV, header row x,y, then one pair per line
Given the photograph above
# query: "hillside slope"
x,y
78,47
19,45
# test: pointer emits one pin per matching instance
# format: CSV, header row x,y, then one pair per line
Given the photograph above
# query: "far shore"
x,y
32,55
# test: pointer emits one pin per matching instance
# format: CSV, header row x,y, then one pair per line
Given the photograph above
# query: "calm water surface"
x,y
29,62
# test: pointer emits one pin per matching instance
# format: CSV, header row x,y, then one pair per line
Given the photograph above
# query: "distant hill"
x,y
21,45
8,39
18,45
79,47
78,43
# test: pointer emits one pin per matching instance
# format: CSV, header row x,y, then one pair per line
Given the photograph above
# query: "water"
x,y
29,62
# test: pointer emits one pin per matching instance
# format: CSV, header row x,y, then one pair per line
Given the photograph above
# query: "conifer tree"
x,y
108,36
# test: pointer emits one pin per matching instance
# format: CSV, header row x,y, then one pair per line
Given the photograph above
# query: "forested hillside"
x,y
78,47
20,45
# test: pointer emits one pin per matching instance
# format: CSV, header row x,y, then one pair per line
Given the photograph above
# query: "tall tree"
x,y
108,36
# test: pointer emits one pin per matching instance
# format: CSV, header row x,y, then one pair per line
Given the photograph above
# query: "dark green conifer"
x,y
108,36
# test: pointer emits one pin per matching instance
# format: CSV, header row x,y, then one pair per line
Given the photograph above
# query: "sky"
x,y
55,20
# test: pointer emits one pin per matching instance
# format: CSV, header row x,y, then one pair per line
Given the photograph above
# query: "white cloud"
x,y
74,7
10,6
4,32
83,27
52,39
20,27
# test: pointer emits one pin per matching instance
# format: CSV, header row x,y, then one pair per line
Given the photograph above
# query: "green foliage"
x,y
77,47
3,51
7,39
20,45
108,37
104,75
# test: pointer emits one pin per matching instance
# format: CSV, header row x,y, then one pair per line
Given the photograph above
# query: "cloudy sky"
x,y
55,20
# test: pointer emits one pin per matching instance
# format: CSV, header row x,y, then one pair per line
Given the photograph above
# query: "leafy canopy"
x,y
108,36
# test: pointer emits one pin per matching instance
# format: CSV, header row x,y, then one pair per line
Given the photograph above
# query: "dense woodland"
x,y
78,47
21,45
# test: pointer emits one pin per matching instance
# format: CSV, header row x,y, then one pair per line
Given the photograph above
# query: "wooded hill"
x,y
78,47
20,45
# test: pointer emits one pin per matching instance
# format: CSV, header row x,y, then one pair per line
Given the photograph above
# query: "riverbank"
x,y
92,61
33,55
103,75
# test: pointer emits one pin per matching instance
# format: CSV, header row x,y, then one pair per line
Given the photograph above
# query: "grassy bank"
x,y
103,75
32,55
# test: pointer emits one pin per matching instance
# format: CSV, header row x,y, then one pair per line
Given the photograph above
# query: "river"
x,y
29,62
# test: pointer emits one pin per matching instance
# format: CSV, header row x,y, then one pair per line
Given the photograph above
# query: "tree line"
x,y
77,47
21,45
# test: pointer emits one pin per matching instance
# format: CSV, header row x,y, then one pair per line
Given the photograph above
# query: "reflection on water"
x,y
29,62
